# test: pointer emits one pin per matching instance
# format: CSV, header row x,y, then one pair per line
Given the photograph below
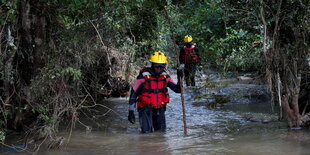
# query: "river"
x,y
220,130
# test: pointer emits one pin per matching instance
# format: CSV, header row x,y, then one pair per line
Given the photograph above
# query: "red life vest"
x,y
155,91
190,55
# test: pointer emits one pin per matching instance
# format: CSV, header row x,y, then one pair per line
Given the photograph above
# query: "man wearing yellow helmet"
x,y
150,91
189,56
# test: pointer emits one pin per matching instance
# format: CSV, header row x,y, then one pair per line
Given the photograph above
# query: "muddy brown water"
x,y
220,130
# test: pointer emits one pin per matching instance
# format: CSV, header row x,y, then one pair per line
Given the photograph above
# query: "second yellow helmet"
x,y
188,39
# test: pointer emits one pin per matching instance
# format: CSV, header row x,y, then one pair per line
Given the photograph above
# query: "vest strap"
x,y
163,90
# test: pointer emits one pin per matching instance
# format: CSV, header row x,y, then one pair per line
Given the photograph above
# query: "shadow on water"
x,y
220,130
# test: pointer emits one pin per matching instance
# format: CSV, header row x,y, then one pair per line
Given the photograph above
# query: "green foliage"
x,y
138,23
72,12
69,71
207,21
52,90
7,11
2,136
220,99
234,52
223,30
48,120
133,22
212,85
2,125
200,96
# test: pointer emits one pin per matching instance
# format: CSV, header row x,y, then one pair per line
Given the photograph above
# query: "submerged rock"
x,y
261,118
221,98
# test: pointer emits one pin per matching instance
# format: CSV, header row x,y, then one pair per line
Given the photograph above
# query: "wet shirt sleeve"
x,y
173,86
135,91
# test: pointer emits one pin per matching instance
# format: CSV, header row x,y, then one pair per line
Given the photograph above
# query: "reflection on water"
x,y
223,130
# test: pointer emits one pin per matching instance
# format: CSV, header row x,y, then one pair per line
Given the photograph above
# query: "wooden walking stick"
x,y
179,67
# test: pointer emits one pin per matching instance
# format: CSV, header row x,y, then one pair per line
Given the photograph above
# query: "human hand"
x,y
180,73
131,117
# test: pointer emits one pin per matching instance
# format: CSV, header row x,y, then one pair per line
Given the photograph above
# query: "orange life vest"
x,y
190,55
155,91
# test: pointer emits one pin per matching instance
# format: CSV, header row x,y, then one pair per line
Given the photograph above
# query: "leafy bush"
x,y
235,51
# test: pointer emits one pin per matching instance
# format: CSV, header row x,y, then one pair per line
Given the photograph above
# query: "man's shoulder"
x,y
144,69
142,72
165,74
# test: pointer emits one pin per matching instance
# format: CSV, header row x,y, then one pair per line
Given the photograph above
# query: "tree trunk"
x,y
8,70
32,32
291,109
283,60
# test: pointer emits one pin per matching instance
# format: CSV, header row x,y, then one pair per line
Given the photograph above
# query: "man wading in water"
x,y
189,55
151,94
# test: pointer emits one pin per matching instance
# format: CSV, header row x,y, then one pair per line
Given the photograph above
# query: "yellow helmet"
x,y
188,38
158,57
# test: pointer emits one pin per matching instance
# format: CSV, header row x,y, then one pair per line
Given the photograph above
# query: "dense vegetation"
x,y
60,57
